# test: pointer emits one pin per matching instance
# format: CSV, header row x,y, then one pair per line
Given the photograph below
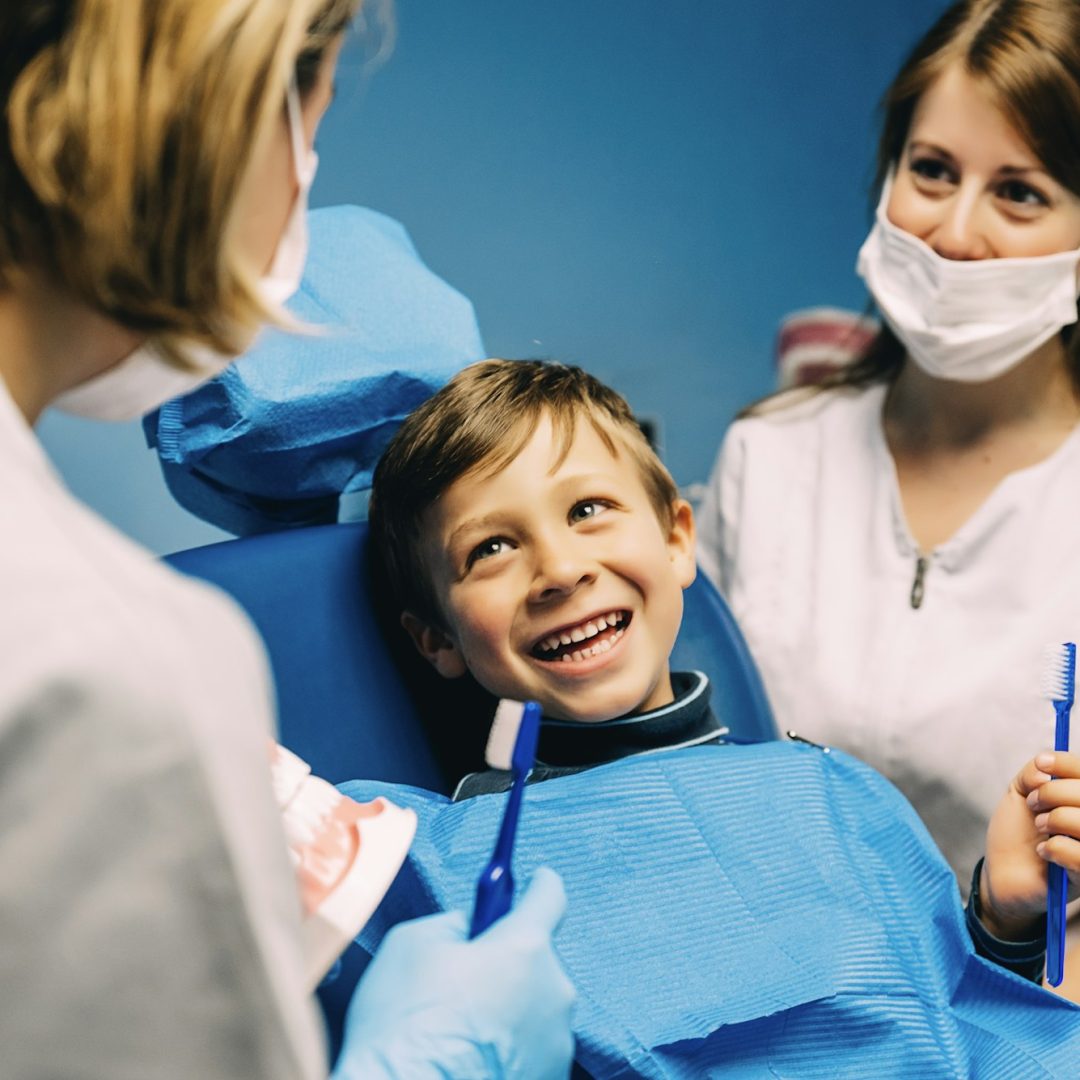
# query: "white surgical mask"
x,y
965,320
145,379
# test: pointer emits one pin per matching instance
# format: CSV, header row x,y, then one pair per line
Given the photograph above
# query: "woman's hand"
x,y
435,1004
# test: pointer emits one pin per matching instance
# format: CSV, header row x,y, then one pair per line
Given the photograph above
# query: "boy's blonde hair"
x,y
479,422
128,127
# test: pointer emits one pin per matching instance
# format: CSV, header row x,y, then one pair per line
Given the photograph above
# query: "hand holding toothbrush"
x,y
435,1004
1036,824
1048,786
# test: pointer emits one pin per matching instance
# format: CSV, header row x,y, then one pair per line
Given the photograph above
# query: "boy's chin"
x,y
587,712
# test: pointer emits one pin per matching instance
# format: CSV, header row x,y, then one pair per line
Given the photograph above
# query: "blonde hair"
x,y
479,422
129,126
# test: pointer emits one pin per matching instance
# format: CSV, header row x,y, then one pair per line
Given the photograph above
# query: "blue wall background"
x,y
641,188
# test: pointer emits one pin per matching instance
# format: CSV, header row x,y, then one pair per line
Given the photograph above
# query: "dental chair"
x,y
353,703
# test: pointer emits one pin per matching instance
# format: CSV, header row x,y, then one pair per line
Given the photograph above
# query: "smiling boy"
x,y
535,541
557,577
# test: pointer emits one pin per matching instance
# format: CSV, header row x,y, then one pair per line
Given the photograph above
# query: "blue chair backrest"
x,y
343,701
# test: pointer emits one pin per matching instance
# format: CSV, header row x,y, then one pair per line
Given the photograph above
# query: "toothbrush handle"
x,y
1056,889
1055,926
495,889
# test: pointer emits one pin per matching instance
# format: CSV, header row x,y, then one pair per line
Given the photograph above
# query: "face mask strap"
x,y
296,127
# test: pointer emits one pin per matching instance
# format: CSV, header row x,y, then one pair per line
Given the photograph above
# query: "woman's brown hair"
x,y
1026,55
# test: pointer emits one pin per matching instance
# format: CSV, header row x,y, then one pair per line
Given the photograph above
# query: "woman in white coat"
x,y
155,158
900,545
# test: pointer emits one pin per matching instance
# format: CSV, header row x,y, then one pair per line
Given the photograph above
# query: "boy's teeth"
x,y
583,632
592,650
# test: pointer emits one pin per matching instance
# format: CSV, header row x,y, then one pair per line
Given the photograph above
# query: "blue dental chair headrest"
x,y
300,420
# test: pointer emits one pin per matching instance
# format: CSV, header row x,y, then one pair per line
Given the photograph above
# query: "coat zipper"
x,y
918,586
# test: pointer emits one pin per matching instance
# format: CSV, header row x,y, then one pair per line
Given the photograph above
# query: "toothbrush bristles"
x,y
499,752
1059,672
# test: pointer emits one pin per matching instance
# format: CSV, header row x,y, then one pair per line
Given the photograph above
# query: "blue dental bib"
x,y
748,911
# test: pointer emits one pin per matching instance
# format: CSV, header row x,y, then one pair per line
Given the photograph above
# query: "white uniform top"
x,y
802,529
149,918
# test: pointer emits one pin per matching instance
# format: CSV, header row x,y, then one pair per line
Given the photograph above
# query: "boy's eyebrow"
x,y
476,524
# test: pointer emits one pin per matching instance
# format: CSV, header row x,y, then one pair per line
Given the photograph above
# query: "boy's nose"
x,y
559,571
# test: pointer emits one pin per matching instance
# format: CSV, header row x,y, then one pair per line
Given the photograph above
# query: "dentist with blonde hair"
x,y
155,159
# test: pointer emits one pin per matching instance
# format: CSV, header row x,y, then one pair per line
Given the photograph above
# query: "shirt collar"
x,y
687,721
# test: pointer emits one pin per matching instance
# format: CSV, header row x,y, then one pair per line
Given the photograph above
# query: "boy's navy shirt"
x,y
568,747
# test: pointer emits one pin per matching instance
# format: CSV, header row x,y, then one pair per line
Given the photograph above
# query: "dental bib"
x,y
746,911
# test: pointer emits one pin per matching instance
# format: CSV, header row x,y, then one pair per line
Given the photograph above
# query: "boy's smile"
x,y
557,581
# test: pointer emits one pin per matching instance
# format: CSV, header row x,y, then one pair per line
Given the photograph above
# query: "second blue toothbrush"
x,y
1059,685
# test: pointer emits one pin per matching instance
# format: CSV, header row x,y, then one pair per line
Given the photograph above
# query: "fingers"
x,y
1064,821
1047,773
1060,831
1047,766
1033,775
545,899
1053,794
427,932
540,908
1059,763
1062,850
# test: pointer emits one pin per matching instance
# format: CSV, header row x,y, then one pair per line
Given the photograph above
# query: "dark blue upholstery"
x,y
341,704
348,705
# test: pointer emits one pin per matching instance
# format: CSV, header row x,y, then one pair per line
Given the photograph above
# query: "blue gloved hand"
x,y
434,1004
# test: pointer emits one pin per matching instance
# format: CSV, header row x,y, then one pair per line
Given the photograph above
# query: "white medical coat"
x,y
149,920
802,529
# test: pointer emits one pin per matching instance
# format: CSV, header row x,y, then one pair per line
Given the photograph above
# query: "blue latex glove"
x,y
434,1004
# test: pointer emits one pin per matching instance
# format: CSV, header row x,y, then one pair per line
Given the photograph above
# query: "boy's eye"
x,y
487,549
588,508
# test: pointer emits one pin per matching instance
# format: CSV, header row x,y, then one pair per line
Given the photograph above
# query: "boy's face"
x,y
558,585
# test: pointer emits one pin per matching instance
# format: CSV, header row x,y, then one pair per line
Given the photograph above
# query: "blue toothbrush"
x,y
511,745
1059,685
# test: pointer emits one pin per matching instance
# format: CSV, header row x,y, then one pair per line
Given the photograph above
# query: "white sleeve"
x,y
719,516
128,944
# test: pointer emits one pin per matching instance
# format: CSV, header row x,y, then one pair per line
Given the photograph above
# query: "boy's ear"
x,y
682,545
435,646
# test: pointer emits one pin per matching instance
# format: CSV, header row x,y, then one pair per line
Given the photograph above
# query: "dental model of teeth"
x,y
557,646
345,854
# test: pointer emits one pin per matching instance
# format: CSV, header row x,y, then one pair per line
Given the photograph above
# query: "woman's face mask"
x,y
144,379
972,259
965,320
